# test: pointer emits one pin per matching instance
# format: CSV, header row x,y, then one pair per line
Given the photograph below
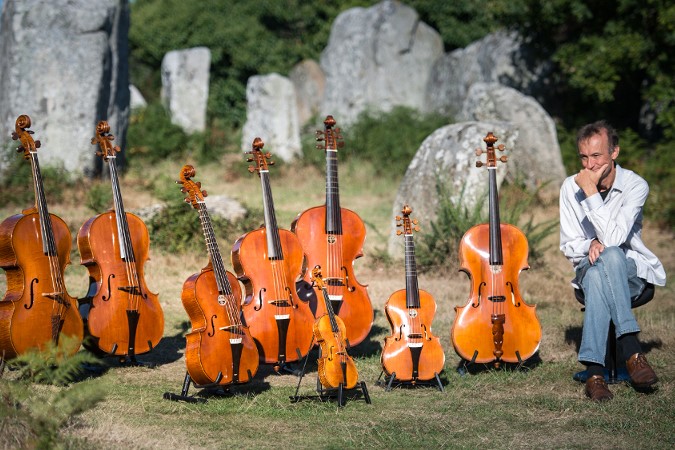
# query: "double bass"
x,y
335,367
122,315
36,310
333,238
411,353
269,261
219,349
495,325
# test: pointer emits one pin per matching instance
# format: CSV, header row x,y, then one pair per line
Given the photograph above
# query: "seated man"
x,y
601,235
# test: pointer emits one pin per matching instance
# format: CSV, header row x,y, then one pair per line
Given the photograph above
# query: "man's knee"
x,y
613,257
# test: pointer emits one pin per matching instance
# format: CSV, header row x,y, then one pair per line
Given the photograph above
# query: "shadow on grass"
x,y
466,367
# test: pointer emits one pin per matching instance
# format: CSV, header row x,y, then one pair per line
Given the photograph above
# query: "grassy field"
x,y
539,406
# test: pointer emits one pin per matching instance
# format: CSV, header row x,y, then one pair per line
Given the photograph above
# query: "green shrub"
x,y
388,140
32,415
177,228
152,137
17,187
99,197
440,247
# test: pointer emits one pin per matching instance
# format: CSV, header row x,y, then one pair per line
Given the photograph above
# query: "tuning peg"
x,y
478,151
268,155
271,163
415,221
503,158
249,159
37,143
479,164
187,200
204,194
179,182
417,228
251,169
183,190
199,184
501,147
399,232
398,218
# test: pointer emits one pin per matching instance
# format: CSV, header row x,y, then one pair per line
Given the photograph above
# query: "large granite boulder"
x,y
310,84
447,160
535,156
499,57
64,63
377,58
272,115
185,87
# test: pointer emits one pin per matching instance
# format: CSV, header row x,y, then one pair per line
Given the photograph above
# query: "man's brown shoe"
x,y
597,390
641,373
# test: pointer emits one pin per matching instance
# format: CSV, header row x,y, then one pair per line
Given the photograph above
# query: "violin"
x,y
333,238
336,367
219,349
269,261
122,315
495,325
411,352
36,310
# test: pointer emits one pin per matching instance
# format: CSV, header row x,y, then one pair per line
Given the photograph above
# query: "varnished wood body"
x,y
25,312
472,329
209,351
336,260
335,366
406,324
265,281
107,320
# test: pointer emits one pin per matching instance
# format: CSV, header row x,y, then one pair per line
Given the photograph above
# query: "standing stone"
x,y
185,87
136,99
64,63
377,58
499,57
310,84
447,159
272,115
535,157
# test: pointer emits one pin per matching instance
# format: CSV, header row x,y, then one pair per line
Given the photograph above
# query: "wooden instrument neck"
x,y
411,286
274,251
496,258
222,282
126,247
333,216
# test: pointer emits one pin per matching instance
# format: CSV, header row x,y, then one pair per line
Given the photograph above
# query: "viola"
x,y
411,352
335,366
269,261
496,324
122,315
219,349
34,251
333,238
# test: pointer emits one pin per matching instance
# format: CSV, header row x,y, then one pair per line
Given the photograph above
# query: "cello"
x,y
219,350
333,238
122,315
269,261
336,369
36,310
411,353
495,325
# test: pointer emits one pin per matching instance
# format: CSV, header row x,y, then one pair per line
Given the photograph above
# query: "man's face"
x,y
594,154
